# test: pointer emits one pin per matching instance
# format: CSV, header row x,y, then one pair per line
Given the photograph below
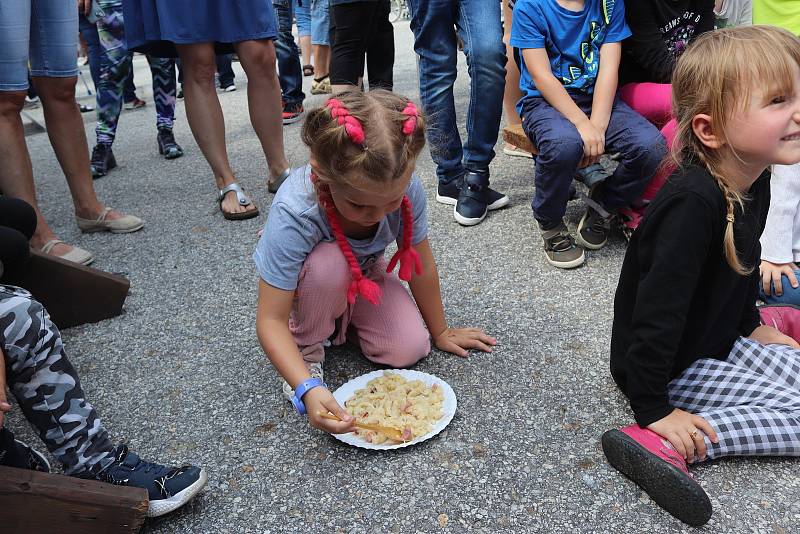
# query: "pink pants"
x,y
391,333
653,101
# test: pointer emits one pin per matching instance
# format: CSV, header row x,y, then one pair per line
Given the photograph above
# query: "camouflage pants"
x,y
46,385
114,68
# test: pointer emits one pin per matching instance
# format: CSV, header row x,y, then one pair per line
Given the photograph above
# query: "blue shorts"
x,y
42,32
320,23
303,16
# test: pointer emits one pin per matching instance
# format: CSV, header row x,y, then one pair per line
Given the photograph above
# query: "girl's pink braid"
x,y
359,284
410,124
351,125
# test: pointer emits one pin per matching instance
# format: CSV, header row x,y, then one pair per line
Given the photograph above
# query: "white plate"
x,y
347,390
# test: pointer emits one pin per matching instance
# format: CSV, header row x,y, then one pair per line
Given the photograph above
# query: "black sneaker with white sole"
x,y
476,198
448,194
168,488
560,248
595,224
14,453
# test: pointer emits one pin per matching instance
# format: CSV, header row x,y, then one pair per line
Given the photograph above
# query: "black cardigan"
x,y
678,300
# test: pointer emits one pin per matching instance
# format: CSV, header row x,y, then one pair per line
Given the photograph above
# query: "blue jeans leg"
x,y
290,73
93,50
790,294
560,151
225,70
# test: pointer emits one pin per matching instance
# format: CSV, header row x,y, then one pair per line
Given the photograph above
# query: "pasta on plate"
x,y
391,400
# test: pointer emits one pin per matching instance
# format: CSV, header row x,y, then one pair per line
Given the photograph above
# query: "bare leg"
x,y
205,116
264,100
512,92
322,58
305,49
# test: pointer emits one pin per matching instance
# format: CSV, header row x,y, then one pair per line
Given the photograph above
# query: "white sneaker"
x,y
314,369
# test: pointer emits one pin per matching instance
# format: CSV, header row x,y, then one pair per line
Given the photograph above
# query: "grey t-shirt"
x,y
297,223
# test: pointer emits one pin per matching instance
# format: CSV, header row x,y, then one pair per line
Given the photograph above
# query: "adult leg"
x,y
480,28
432,22
320,38
512,92
93,49
264,101
225,71
303,17
205,116
115,66
290,71
752,399
47,386
164,94
128,87
392,333
350,30
380,48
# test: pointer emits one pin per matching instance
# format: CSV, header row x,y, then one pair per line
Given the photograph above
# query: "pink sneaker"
x,y
783,317
652,463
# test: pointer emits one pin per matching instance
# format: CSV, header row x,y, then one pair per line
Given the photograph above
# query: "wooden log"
x,y
41,503
515,135
73,294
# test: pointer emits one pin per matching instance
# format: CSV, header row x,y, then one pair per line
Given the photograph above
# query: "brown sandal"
x,y
308,70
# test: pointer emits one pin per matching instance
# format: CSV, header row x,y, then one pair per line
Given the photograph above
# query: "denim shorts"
x,y
42,32
303,16
320,22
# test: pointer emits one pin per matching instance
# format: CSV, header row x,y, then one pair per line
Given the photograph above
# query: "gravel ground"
x,y
181,376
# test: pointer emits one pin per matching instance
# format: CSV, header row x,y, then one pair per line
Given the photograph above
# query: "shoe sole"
x,y
668,486
517,153
165,506
585,244
36,453
496,205
566,264
292,120
467,221
111,166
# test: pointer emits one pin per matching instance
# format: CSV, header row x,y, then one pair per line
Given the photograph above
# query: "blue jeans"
x,y
640,145
790,295
225,70
302,16
290,73
95,54
320,22
42,32
436,25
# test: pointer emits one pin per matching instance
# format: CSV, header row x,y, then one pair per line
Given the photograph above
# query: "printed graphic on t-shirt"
x,y
679,31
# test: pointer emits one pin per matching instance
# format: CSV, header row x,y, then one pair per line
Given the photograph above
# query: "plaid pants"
x,y
752,399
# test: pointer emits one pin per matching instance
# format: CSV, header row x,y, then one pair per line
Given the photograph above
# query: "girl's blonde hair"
x,y
386,151
715,76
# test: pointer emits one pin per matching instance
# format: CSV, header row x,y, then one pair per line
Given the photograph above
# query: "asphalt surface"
x,y
181,376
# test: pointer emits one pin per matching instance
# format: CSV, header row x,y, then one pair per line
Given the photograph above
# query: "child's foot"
x,y
169,488
652,463
595,225
560,248
14,453
591,175
314,369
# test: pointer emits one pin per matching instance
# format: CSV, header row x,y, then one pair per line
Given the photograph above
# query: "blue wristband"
x,y
303,388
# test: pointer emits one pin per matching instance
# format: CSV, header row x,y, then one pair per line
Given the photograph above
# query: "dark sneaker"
x,y
14,453
448,194
476,198
167,146
228,88
591,175
595,225
102,160
179,94
560,248
169,488
651,462
292,112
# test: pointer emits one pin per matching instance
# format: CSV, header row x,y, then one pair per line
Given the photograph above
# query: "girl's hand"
x,y
320,399
768,335
771,275
457,340
686,432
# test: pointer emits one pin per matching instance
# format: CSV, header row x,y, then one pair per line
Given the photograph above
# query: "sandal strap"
x,y
243,199
50,245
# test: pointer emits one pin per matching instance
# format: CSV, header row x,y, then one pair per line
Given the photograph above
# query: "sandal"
x,y
308,70
76,255
274,183
243,199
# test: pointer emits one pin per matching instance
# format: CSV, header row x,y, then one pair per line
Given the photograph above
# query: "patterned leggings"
x,y
752,399
114,68
47,387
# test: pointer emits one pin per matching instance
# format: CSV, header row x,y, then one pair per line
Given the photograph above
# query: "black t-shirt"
x,y
678,300
662,29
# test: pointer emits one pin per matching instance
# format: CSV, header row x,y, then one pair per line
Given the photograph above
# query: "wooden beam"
x,y
41,503
515,135
73,294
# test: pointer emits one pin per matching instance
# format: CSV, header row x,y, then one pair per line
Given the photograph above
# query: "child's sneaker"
x,y
448,194
595,225
591,175
560,248
168,488
14,453
314,369
651,462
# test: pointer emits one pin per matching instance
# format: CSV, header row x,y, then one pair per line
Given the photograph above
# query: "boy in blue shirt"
x,y
570,52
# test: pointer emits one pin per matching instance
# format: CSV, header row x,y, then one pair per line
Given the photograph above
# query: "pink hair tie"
x,y
410,124
351,125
